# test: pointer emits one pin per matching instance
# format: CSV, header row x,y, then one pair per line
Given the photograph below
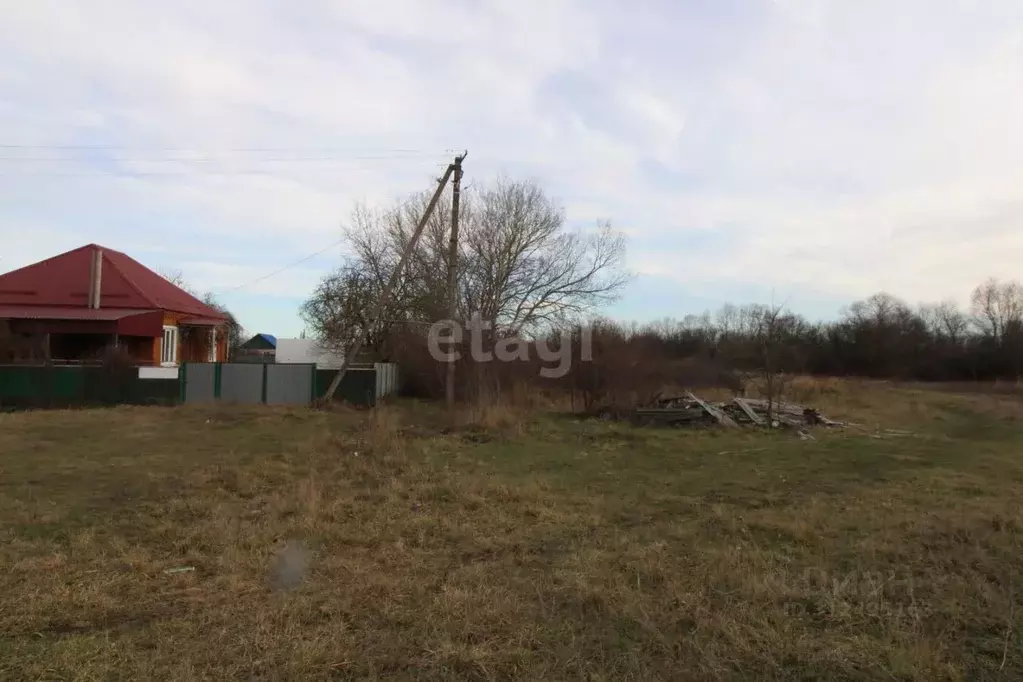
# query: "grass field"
x,y
336,545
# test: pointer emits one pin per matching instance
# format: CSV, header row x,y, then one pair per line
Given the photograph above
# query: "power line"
x,y
213,159
71,166
286,267
130,173
399,207
223,149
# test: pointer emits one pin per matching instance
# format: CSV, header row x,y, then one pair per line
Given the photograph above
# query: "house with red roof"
x,y
73,306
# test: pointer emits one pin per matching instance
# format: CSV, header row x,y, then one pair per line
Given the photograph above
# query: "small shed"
x,y
291,351
260,343
261,348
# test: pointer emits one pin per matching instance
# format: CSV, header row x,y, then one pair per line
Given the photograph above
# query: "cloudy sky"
x,y
809,151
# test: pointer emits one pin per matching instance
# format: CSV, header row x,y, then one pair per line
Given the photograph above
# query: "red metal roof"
x,y
78,320
63,281
29,312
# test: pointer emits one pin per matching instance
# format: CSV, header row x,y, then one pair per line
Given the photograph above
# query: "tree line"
x,y
881,336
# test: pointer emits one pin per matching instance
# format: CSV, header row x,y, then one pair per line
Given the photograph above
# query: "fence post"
x,y
182,381
312,384
262,397
216,381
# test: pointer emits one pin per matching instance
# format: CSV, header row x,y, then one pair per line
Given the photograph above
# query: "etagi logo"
x,y
450,333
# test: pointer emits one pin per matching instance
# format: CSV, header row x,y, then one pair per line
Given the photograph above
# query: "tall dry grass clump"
x,y
805,389
495,416
486,417
381,431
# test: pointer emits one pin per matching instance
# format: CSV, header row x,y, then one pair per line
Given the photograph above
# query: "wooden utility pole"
x,y
456,192
385,295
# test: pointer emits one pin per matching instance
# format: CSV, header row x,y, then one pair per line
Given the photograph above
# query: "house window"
x,y
212,356
169,349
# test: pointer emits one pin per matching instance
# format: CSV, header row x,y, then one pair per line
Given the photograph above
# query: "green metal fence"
x,y
24,386
358,385
56,386
248,383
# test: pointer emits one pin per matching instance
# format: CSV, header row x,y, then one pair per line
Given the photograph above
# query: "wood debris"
x,y
719,415
690,410
748,411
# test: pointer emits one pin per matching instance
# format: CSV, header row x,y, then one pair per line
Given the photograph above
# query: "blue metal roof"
x,y
269,338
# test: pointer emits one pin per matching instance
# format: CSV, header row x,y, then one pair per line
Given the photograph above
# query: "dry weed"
x,y
493,416
382,430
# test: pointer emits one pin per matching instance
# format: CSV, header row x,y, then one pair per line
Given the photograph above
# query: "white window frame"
x,y
212,355
169,347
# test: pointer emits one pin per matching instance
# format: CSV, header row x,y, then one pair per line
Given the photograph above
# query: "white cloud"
x,y
838,147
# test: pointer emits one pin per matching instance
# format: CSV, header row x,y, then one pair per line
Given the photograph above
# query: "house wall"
x,y
254,356
192,349
140,348
194,344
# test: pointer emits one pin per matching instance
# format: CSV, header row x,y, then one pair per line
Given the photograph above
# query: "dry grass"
x,y
493,416
344,545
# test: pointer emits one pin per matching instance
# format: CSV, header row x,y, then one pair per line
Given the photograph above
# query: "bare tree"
x,y
946,321
231,327
177,278
377,239
338,311
771,328
524,269
880,310
997,307
520,267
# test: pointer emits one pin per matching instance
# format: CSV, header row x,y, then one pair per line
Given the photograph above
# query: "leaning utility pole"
x,y
456,192
385,295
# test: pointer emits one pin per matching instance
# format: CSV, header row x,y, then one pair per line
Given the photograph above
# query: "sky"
x,y
810,152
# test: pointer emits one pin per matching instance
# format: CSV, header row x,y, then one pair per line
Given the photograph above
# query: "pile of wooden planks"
x,y
689,410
